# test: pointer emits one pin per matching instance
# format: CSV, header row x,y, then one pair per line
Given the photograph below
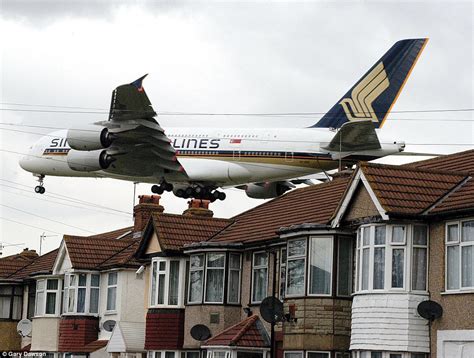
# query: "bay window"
x,y
259,276
460,255
48,294
10,302
112,279
81,293
385,253
282,272
296,267
344,266
209,273
167,282
320,265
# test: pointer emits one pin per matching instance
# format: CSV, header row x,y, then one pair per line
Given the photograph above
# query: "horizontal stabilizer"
x,y
353,137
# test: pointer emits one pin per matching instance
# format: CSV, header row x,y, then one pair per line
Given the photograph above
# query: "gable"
x,y
361,205
62,262
153,245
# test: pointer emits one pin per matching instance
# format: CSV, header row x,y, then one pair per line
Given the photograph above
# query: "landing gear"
x,y
39,189
160,189
199,192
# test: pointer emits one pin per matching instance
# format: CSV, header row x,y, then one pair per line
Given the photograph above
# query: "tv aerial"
x,y
24,327
271,310
200,332
430,310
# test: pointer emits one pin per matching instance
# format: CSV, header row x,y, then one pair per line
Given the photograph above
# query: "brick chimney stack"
x,y
147,205
198,207
29,253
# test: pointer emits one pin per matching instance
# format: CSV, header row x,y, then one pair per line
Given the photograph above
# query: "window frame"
x,y
294,351
324,352
206,269
107,310
181,282
44,292
259,267
305,264
239,286
191,269
338,262
308,264
412,258
11,308
67,290
460,244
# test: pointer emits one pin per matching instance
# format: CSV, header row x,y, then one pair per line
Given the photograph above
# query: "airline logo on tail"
x,y
359,106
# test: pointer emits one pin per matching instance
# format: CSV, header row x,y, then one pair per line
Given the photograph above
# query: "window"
x,y
318,355
282,272
296,262
344,266
293,354
215,267
81,293
112,291
460,255
11,298
419,258
320,266
167,281
233,294
47,297
259,276
196,278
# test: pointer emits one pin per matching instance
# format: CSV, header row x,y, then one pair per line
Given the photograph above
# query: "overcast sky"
x,y
209,57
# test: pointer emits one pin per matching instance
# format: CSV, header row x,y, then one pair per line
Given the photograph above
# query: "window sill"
x,y
459,292
392,292
110,313
47,316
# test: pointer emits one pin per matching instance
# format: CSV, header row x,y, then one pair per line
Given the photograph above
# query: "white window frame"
x,y
309,250
419,246
259,267
459,243
44,292
299,352
181,282
293,258
76,287
239,279
282,285
390,234
194,269
211,352
206,269
107,310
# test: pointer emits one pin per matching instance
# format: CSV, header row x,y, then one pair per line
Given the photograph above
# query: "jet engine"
x,y
90,138
88,161
267,190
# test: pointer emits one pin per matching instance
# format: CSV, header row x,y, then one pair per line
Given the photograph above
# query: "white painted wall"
x,y
455,344
389,322
45,334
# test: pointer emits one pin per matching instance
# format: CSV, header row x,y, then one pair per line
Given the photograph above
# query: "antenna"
x,y
24,327
42,237
109,325
2,246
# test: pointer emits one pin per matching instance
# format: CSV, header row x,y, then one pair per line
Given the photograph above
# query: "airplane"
x,y
197,162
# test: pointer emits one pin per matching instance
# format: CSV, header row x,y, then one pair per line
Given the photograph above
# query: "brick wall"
x,y
164,329
77,331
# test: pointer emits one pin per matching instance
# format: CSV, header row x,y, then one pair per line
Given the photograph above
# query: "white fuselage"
x,y
222,156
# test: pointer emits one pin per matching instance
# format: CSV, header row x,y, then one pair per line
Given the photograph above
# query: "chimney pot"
x,y
198,207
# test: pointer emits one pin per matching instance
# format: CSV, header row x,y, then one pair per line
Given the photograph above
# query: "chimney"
x,y
147,205
198,207
29,253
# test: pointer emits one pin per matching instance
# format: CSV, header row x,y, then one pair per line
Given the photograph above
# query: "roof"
x,y
174,231
42,264
13,265
409,190
93,346
314,204
127,337
457,162
247,333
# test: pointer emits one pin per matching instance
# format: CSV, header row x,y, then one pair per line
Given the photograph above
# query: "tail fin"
x,y
373,96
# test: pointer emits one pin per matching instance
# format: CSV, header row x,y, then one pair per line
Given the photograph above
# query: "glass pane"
x,y
395,355
153,283
259,284
452,233
197,261
94,301
452,267
81,300
17,304
365,236
398,234
40,287
282,281
169,354
295,276
297,247
380,235
293,354
418,277
195,287
72,300
234,261
215,260
215,285
51,303
162,266
112,279
283,256
39,304
192,354
398,260
379,268
318,355
468,231
357,270
467,266
420,236
174,283
72,280
161,288
219,355
234,282
376,355
95,280
260,259
111,298
82,279
52,285
320,265
365,269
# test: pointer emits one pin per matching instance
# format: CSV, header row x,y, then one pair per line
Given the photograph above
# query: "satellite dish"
x,y
271,309
109,325
24,327
430,310
200,332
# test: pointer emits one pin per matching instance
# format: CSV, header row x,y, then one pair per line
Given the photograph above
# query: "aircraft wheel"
x,y
168,186
39,189
189,192
180,193
222,196
157,189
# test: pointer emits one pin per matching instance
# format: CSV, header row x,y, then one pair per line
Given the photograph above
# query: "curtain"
x,y
295,276
153,285
365,268
259,284
419,269
215,285
111,298
453,267
379,268
467,266
234,283
173,283
195,286
94,300
5,307
81,300
50,303
397,267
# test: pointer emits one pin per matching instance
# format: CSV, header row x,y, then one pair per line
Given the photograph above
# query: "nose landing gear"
x,y
39,189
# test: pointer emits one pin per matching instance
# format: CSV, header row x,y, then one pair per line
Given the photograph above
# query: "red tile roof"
x,y
314,204
247,333
43,264
13,265
94,346
407,190
175,231
457,162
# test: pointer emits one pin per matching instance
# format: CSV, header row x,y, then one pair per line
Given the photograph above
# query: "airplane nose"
x,y
23,162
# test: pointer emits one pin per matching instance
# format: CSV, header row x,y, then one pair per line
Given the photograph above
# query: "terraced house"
x,y
351,260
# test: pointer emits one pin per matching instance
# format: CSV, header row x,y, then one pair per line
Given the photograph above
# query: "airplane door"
x,y
236,155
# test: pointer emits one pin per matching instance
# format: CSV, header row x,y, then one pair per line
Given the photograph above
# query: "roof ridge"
x,y
447,194
412,169
190,216
117,253
438,158
243,330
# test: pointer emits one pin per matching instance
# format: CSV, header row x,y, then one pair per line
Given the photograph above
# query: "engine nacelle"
x,y
88,161
91,138
266,190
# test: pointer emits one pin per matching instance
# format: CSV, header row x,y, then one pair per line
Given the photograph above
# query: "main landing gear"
x,y
39,189
160,189
200,192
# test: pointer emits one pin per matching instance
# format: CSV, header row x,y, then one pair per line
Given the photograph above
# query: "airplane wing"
x,y
138,137
354,136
